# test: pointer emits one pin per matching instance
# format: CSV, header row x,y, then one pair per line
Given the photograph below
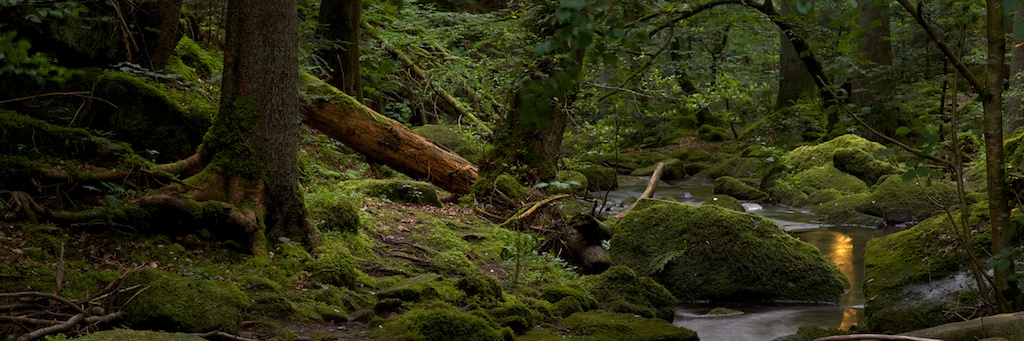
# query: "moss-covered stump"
x,y
737,189
828,177
438,324
675,169
919,277
599,178
174,303
713,253
605,325
621,290
132,335
145,117
331,211
899,201
722,200
413,192
473,149
568,182
819,155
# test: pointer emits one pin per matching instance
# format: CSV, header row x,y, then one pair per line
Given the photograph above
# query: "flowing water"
x,y
843,245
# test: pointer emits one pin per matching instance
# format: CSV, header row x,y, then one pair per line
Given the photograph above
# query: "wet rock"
x,y
712,253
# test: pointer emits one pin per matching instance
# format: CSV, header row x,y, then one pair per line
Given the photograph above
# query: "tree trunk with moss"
x,y
385,140
251,151
876,46
340,22
794,78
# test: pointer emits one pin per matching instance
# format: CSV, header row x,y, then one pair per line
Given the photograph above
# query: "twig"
x,y
652,185
223,335
534,208
63,327
45,295
82,94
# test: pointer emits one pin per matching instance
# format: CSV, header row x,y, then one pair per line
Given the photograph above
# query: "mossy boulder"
x,y
691,155
599,178
334,265
511,187
194,56
611,326
843,211
863,165
919,277
174,303
675,169
470,148
737,189
713,253
516,316
422,288
712,133
332,211
821,154
900,201
725,201
437,324
568,300
568,182
482,288
828,177
408,191
145,117
620,289
722,312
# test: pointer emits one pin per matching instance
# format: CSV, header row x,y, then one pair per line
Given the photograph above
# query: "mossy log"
x,y
385,140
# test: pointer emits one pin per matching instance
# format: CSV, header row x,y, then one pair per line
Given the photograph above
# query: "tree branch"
x,y
957,63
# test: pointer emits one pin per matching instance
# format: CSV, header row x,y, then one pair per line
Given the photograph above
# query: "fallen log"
x,y
383,139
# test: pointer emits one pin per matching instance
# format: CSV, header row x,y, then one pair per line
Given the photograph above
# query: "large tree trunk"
x,y
386,141
876,47
168,23
339,22
794,78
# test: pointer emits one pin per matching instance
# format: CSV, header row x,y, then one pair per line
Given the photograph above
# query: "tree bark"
x,y
794,78
992,102
339,22
1015,102
385,140
168,23
876,47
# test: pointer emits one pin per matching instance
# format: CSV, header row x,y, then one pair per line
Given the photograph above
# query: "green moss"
x,y
828,177
145,117
175,303
230,142
516,316
195,57
720,311
675,169
897,200
422,288
921,255
725,201
415,192
737,189
711,133
712,253
599,178
863,165
843,211
511,187
691,155
437,324
485,289
469,147
820,155
604,325
334,265
333,211
568,300
619,289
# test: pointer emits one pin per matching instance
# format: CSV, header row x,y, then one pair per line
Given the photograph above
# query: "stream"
x,y
843,245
